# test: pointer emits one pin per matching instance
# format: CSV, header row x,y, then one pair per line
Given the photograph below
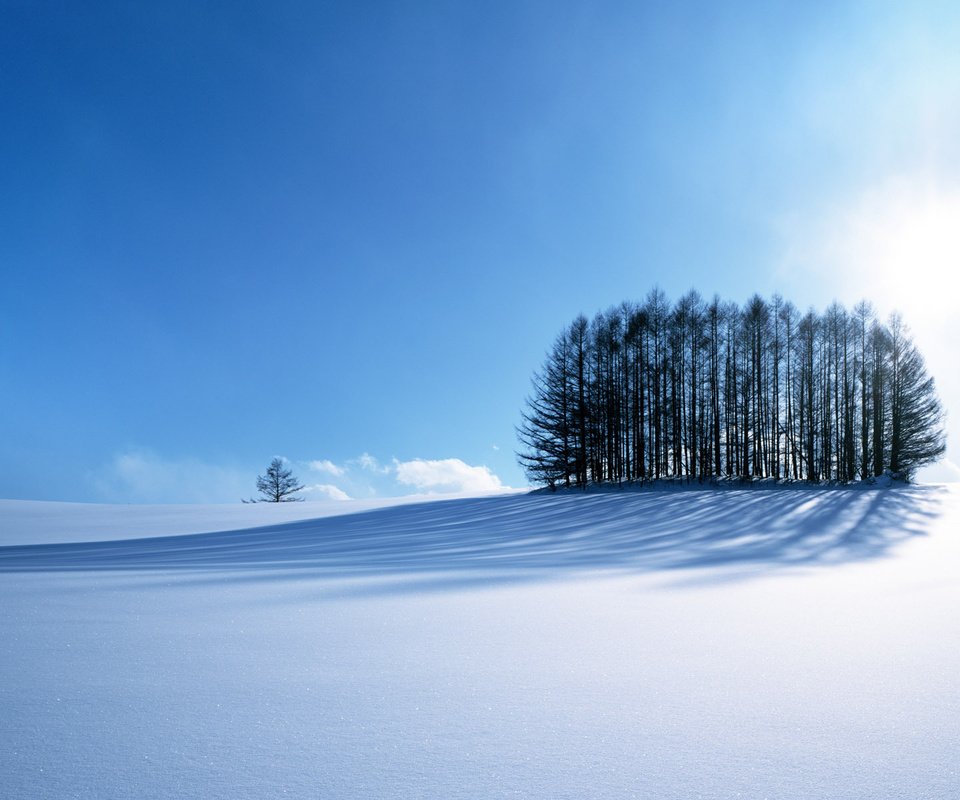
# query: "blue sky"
x,y
346,233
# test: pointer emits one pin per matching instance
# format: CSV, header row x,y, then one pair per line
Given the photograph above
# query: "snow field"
x,y
775,644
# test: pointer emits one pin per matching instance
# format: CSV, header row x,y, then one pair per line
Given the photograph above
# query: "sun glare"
x,y
904,249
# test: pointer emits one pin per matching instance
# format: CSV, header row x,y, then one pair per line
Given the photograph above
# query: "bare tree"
x,y
546,430
917,435
702,391
278,485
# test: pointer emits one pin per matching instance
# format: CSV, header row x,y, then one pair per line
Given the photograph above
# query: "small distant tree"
x,y
278,485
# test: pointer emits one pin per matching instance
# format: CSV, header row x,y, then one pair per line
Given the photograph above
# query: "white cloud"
x,y
945,471
141,476
325,465
447,475
327,490
370,464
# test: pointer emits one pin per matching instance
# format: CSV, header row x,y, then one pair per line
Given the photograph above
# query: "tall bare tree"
x,y
699,391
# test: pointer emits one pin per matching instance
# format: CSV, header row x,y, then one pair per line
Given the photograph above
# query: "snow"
x,y
781,643
40,522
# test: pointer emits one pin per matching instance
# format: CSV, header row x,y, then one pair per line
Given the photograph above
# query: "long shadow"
x,y
524,537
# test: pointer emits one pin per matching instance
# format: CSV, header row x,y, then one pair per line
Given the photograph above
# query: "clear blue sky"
x,y
348,232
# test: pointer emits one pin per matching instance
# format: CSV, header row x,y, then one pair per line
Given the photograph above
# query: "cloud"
x,y
141,476
945,471
448,475
327,490
370,464
327,466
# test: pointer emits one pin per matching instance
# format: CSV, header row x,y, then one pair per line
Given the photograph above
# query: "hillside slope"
x,y
782,643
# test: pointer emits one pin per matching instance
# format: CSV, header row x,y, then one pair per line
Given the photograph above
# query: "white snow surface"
x,y
781,643
40,522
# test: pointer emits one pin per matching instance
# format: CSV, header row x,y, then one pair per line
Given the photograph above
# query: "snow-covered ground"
x,y
38,522
787,643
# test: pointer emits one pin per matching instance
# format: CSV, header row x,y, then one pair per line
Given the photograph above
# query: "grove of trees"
x,y
702,390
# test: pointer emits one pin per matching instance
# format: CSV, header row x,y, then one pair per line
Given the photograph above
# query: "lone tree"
x,y
278,485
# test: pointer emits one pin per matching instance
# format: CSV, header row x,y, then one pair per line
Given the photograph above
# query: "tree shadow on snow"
x,y
459,543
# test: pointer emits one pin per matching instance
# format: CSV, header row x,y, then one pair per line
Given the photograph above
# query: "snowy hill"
x,y
783,643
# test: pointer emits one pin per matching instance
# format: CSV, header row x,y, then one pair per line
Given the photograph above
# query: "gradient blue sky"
x,y
346,233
